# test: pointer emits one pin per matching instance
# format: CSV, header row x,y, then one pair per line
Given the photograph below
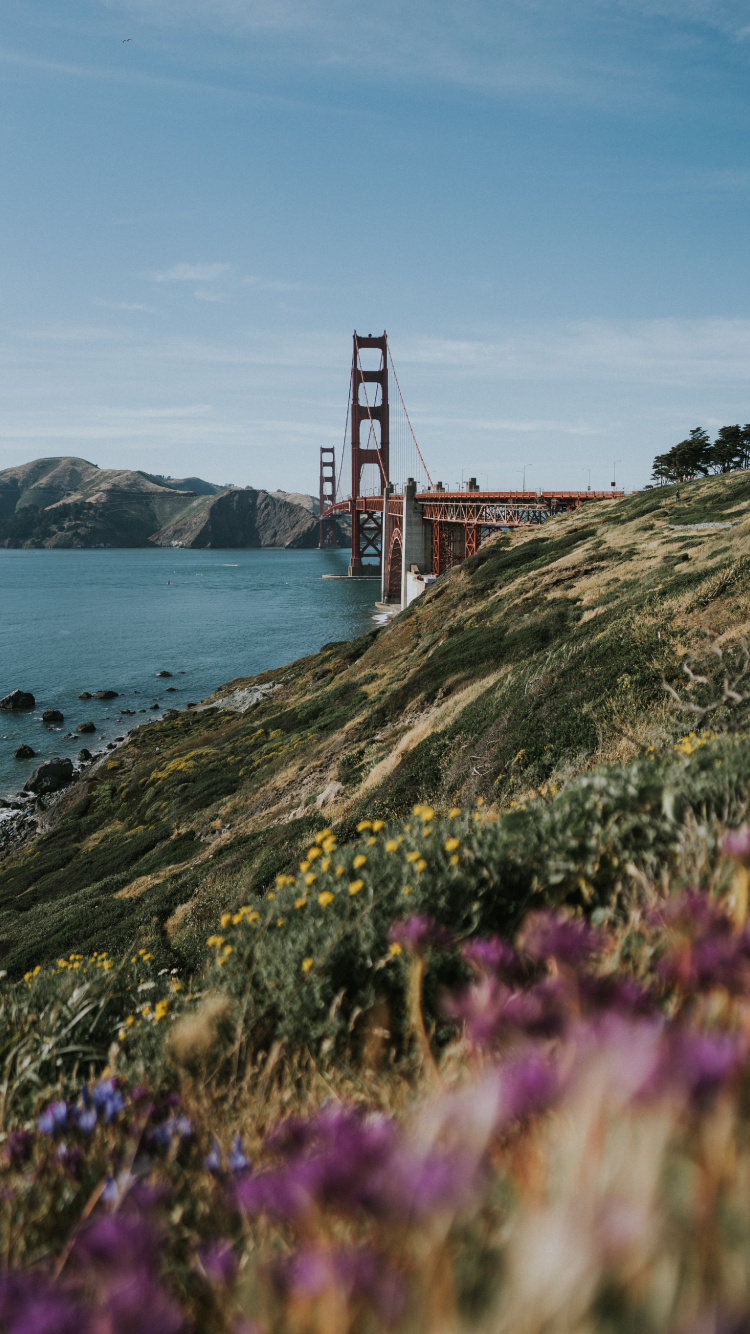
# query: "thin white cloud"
x,y
192,273
124,305
205,294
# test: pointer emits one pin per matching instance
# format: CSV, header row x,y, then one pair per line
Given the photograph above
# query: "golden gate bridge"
x,y
406,529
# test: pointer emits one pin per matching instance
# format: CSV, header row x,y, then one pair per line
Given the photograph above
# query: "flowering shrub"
x,y
583,1130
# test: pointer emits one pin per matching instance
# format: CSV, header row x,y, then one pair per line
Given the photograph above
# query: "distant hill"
x,y
70,502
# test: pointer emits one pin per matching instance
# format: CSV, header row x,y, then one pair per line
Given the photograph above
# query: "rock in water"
x,y
18,699
50,776
86,727
163,673
24,753
52,716
105,694
85,694
84,755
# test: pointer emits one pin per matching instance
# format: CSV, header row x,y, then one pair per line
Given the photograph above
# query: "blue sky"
x,y
545,203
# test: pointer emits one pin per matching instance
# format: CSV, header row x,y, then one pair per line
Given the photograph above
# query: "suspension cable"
x,y
343,448
414,438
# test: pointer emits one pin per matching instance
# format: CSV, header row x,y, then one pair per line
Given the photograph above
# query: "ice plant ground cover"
x,y
559,1140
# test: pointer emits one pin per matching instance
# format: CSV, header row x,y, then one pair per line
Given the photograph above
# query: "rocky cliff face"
x,y
241,518
69,502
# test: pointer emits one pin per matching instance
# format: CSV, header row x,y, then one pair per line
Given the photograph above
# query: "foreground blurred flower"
x,y
548,935
736,843
418,932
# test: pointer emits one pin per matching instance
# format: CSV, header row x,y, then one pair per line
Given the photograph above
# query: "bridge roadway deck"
x,y
488,508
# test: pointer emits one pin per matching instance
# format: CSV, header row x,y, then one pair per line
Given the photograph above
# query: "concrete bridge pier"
x,y
416,548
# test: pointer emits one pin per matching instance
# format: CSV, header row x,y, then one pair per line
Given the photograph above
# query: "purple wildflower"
x,y
121,1242
29,1305
489,955
108,1099
53,1118
137,1304
418,932
360,1164
85,1119
489,1010
276,1192
736,843
623,995
527,1085
236,1160
363,1276
219,1262
548,935
212,1160
701,1063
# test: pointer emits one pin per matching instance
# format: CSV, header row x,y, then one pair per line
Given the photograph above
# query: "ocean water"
x,y
110,620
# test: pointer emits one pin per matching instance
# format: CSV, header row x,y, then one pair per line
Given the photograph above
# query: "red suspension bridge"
x,y
406,529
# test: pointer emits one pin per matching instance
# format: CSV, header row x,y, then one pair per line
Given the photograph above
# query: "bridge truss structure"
x,y
389,476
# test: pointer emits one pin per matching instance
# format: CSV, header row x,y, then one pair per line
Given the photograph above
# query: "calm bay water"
x,y
110,620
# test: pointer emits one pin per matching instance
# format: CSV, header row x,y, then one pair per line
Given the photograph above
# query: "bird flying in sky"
x,y
126,39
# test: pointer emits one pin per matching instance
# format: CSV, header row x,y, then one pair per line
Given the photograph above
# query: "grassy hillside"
x,y
296,1051
545,654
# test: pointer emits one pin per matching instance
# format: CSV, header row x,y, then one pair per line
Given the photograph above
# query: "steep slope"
x,y
545,653
241,518
70,502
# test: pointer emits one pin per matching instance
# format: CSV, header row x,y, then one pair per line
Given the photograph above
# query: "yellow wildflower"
x,y
453,812
253,916
451,844
359,860
329,845
454,859
306,965
228,949
407,889
395,948
300,902
364,824
391,845
322,835
412,856
326,862
175,985
304,866
420,865
130,1020
310,878
371,842
425,813
272,893
355,886
313,853
121,1035
215,941
160,1009
279,921
339,870
225,918
325,898
377,825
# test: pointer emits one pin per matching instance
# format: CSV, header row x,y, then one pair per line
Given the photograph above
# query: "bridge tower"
x,y
368,412
327,496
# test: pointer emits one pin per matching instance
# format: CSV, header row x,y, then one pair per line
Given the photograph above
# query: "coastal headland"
x,y
69,502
